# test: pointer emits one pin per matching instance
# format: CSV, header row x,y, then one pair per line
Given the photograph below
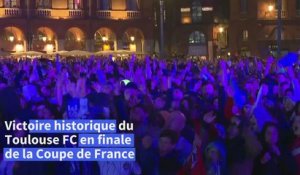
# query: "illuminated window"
x,y
132,5
71,36
104,4
74,4
245,35
41,36
196,11
185,15
197,38
44,4
104,40
244,6
11,3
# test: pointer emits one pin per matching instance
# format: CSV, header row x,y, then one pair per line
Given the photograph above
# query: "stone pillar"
x,y
90,45
119,45
60,45
210,50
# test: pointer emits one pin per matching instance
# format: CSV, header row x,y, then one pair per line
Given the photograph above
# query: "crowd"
x,y
222,117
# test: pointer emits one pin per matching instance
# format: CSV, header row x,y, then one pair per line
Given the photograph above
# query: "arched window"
x,y
11,3
70,36
74,4
244,6
105,39
104,4
196,11
197,38
44,4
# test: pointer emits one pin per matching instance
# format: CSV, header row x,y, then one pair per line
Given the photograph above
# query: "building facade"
x,y
253,27
196,27
93,25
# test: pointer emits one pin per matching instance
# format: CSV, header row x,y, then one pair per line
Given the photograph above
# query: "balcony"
x,y
10,12
59,14
115,15
104,14
283,14
133,14
76,13
43,13
273,15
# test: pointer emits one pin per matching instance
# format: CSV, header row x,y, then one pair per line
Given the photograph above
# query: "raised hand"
x,y
275,150
209,117
266,158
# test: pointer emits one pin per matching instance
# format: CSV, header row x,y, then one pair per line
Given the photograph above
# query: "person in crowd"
x,y
295,148
209,117
273,159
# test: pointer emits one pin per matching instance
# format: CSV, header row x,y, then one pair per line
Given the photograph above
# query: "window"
x,y
70,36
197,38
44,4
132,5
245,52
196,11
276,34
104,5
244,6
185,15
74,4
245,35
11,3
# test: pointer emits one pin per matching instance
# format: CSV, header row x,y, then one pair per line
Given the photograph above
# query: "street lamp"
x,y
221,29
132,38
44,38
104,39
270,8
279,28
161,3
11,38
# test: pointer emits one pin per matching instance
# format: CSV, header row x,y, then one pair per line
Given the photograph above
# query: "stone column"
x,y
60,45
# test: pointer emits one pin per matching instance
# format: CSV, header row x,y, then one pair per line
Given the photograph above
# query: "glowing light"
x,y
207,9
19,48
11,38
44,38
78,39
106,47
270,8
104,38
49,48
221,29
185,9
229,54
132,38
132,47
